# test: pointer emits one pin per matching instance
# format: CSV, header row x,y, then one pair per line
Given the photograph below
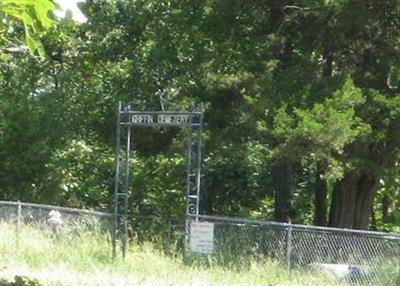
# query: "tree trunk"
x,y
373,225
352,200
388,207
328,62
284,182
321,192
320,200
385,208
277,14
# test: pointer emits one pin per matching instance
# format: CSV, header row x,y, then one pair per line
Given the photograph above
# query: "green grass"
x,y
86,260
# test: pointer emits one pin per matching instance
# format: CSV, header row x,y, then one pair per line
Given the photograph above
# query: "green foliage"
x,y
235,180
320,133
314,83
21,281
158,186
80,173
35,17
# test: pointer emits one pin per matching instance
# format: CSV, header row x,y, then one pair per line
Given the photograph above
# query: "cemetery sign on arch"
x,y
127,120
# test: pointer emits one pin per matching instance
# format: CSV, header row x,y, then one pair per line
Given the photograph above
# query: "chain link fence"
x,y
353,256
347,255
19,220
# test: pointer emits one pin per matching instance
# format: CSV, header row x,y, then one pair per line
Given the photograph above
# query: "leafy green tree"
x,y
300,98
34,16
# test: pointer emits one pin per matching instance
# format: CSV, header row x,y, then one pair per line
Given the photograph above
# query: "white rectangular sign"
x,y
162,119
202,237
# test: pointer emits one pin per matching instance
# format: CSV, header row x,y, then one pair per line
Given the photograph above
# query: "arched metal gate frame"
x,y
127,119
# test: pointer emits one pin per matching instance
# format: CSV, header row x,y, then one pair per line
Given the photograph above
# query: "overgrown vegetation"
x,y
86,260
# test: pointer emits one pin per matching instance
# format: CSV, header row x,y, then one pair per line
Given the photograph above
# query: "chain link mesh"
x,y
364,256
17,219
348,255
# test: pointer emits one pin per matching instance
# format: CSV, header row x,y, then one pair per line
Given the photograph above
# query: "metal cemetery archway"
x,y
127,119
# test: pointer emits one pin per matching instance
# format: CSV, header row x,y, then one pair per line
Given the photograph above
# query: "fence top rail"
x,y
385,235
50,207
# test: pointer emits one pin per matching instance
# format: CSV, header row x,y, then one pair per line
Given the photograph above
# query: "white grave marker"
x,y
202,237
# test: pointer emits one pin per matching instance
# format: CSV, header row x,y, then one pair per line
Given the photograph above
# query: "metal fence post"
x,y
18,224
116,217
289,246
